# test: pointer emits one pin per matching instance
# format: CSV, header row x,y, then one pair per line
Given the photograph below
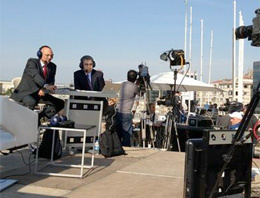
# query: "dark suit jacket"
x,y
32,80
81,82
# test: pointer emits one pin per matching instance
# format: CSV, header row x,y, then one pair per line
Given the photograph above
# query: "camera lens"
x,y
243,32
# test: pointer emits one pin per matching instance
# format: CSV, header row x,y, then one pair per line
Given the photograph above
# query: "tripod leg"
x,y
169,134
164,145
151,135
143,131
177,136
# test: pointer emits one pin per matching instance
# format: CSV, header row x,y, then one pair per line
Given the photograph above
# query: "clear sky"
x,y
119,34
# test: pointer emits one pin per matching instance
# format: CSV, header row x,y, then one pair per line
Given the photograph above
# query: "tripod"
x,y
145,119
171,120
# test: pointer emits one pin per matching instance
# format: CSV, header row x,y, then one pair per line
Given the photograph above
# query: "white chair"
x,y
15,82
18,124
18,127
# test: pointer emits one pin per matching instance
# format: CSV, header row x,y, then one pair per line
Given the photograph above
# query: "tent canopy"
x,y
164,81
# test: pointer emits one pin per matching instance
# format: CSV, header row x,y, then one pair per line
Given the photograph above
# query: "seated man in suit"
x,y
88,78
37,82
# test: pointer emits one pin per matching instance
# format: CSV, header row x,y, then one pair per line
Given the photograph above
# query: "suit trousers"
x,y
52,104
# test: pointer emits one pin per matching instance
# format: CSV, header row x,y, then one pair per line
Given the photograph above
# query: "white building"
x,y
226,85
5,86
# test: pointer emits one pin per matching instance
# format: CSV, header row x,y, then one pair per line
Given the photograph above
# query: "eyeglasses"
x,y
88,64
48,55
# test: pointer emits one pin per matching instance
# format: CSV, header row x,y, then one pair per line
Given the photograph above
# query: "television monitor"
x,y
204,160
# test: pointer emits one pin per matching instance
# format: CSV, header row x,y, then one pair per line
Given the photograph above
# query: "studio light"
x,y
176,57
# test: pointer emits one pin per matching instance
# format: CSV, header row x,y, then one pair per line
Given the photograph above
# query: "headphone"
x,y
87,57
39,52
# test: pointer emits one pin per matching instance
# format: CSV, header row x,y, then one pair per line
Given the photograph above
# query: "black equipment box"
x,y
200,121
185,132
204,160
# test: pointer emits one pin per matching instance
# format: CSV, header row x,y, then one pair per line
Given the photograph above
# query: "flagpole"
x,y
189,105
185,31
201,49
240,62
190,39
201,57
210,59
234,56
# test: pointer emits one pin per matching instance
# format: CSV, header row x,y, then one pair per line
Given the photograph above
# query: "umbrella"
x,y
164,81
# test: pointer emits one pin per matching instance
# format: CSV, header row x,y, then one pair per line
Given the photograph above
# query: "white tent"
x,y
164,81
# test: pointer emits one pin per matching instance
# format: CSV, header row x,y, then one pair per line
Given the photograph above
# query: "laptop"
x,y
111,87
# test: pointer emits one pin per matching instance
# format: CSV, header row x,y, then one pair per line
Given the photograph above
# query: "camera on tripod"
x,y
252,32
166,100
144,78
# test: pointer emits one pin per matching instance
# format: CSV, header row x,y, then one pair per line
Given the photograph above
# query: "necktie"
x,y
89,82
44,71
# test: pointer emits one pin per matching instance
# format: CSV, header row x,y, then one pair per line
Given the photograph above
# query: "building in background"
x,y
226,85
5,86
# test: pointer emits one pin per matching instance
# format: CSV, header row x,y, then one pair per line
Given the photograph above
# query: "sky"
x,y
120,34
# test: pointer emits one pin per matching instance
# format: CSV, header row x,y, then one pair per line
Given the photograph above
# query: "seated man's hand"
x,y
41,93
51,88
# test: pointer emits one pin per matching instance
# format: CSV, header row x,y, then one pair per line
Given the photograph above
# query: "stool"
x,y
83,129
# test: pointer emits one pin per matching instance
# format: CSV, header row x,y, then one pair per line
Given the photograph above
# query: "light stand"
x,y
175,109
172,117
175,57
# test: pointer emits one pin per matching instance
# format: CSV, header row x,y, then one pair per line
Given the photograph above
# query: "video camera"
x,y
232,107
252,32
143,71
165,100
143,78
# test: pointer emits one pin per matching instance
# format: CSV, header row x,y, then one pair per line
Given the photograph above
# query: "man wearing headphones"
x,y
37,82
88,78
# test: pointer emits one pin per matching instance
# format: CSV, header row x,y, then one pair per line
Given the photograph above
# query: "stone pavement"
x,y
140,174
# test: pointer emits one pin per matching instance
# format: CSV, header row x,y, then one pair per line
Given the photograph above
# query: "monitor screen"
x,y
205,159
